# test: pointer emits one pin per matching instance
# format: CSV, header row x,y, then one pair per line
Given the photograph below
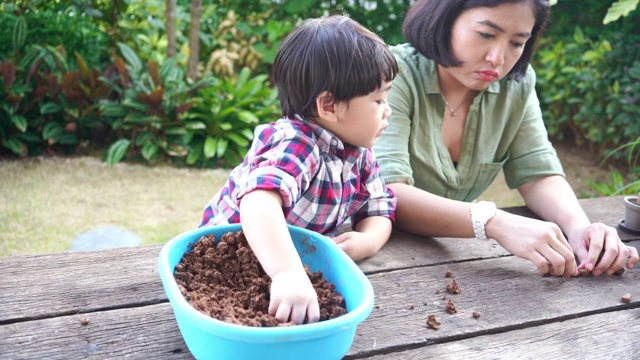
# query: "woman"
x,y
463,107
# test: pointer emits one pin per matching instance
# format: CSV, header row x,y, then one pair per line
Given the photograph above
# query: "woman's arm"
x,y
423,213
540,242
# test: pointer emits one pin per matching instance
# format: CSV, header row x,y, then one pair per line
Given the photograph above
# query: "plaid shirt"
x,y
322,181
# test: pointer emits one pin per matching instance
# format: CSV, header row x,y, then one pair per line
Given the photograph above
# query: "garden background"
x,y
129,113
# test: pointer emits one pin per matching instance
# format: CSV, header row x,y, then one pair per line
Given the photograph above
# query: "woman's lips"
x,y
488,75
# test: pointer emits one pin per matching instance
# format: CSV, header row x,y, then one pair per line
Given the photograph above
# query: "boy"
x,y
314,168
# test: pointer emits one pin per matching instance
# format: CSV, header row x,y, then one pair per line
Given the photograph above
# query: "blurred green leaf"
x,y
117,151
130,57
620,9
210,146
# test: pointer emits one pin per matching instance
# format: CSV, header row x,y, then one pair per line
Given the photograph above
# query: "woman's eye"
x,y
486,36
517,44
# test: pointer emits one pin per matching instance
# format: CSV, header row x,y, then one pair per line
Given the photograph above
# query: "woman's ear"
x,y
325,102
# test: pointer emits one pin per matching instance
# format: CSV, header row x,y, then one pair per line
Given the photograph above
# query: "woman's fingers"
x,y
555,256
544,267
555,262
633,257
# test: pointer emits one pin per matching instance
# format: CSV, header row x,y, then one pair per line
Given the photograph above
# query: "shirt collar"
x,y
329,143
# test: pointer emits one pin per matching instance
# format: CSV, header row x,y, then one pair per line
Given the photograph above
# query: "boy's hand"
x,y
293,298
356,244
369,237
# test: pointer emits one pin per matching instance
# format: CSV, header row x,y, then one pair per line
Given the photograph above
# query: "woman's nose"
x,y
495,55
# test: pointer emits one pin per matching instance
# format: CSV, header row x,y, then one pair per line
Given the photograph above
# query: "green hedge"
x,y
67,98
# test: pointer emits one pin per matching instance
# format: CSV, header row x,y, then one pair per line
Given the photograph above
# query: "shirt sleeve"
x,y
382,201
281,161
532,154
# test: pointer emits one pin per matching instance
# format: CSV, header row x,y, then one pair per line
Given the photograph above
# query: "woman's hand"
x,y
293,298
592,241
538,241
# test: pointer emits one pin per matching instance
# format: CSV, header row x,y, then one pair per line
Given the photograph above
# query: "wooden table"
x,y
524,315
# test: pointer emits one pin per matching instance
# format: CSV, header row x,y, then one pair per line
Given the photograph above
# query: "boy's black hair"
x,y
428,27
332,53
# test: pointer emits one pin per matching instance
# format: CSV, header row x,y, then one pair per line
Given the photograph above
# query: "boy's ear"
x,y
325,104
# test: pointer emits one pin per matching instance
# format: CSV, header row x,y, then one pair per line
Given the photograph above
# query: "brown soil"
x,y
453,287
451,307
432,322
226,281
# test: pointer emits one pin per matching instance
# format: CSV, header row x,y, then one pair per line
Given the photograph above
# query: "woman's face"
x,y
489,42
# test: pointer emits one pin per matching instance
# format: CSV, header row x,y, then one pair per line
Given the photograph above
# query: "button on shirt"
x,y
503,130
322,181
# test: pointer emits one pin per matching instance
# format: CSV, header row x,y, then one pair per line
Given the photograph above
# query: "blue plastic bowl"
x,y
208,338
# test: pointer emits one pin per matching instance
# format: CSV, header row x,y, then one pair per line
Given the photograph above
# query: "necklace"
x,y
452,112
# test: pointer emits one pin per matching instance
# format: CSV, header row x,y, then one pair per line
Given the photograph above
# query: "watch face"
x,y
484,211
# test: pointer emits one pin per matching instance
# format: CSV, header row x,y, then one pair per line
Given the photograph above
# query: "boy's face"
x,y
363,119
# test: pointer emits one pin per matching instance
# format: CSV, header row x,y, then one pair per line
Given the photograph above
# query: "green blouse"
x,y
504,130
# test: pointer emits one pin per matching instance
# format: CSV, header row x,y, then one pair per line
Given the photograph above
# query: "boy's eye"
x,y
381,102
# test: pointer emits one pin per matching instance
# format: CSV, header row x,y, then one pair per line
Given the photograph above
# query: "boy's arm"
x,y
292,295
370,236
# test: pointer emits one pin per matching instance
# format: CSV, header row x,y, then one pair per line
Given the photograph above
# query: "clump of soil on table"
x,y
452,288
432,322
451,307
226,281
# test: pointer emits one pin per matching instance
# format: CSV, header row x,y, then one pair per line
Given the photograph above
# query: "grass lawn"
x,y
46,202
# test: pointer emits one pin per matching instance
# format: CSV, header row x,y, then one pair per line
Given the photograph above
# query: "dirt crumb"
x,y
84,321
449,273
476,315
451,307
432,322
225,280
453,287
626,298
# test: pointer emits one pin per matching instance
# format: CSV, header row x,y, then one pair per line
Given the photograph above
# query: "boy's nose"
x,y
387,111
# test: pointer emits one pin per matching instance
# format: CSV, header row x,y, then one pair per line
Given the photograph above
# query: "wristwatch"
x,y
480,214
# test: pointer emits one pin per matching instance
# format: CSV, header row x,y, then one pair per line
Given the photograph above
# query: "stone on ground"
x,y
105,238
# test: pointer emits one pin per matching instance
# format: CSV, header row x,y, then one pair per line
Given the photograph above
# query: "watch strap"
x,y
481,213
478,230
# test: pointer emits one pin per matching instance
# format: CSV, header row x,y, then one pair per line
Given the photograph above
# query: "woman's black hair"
x,y
428,27
332,53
